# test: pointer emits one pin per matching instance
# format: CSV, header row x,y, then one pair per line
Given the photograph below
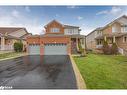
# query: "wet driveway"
x,y
38,72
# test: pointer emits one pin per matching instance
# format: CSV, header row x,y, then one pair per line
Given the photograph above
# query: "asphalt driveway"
x,y
38,72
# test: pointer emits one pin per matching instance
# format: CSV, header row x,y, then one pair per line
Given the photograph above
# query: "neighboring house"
x,y
9,35
58,39
114,32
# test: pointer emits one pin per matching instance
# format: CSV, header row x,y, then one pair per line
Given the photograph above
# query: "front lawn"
x,y
103,71
10,54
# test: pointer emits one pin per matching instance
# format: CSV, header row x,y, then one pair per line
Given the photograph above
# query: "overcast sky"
x,y
33,18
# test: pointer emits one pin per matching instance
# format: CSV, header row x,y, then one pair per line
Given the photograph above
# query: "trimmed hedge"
x,y
106,48
109,49
114,48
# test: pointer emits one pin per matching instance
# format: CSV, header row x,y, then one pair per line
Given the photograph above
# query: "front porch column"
x,y
105,38
114,39
2,43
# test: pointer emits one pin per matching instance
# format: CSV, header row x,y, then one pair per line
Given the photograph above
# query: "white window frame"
x,y
55,30
99,42
124,29
113,29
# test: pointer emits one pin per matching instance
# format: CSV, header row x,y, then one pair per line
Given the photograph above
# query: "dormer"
x,y
54,27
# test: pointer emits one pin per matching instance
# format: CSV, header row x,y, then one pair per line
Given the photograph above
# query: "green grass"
x,y
103,71
11,54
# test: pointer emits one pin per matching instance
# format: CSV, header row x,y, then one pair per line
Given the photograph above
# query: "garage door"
x,y
55,49
34,49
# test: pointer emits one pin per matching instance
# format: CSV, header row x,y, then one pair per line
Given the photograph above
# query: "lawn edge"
x,y
80,81
24,54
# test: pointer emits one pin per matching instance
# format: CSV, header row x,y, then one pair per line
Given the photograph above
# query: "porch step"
x,y
122,51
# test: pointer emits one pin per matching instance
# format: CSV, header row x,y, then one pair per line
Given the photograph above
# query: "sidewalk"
x,y
80,81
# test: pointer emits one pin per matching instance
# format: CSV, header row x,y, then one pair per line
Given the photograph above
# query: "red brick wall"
x,y
63,39
54,24
33,40
108,30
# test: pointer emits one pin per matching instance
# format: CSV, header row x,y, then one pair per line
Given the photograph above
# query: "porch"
x,y
6,44
75,43
110,38
110,41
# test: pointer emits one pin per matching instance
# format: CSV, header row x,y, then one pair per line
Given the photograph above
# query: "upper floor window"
x,y
71,31
124,29
113,29
55,30
99,32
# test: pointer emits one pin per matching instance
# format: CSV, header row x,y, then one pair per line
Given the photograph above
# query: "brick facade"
x,y
50,37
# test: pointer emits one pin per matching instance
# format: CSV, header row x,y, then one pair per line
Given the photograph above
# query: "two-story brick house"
x,y
114,32
58,39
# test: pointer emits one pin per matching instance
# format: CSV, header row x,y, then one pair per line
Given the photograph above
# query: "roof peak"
x,y
54,20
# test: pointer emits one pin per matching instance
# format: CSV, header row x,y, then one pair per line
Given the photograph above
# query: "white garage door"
x,y
55,49
34,49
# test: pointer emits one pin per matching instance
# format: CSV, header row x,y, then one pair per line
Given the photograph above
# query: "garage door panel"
x,y
34,49
55,49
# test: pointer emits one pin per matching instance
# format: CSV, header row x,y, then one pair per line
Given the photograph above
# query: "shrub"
x,y
81,50
114,48
106,48
80,47
18,46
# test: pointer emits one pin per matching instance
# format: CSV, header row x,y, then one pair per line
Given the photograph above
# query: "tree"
x,y
18,46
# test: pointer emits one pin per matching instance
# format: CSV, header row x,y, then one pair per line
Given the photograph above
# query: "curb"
x,y
13,57
80,81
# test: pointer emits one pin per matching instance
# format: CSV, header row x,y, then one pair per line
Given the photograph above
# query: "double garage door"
x,y
49,49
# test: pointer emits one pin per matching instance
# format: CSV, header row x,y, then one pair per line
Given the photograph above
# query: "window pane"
x,y
125,29
55,30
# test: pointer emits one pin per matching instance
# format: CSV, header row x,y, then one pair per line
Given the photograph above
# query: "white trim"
x,y
7,47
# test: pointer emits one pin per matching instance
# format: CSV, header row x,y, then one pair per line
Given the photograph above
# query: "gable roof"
x,y
26,35
119,20
97,29
4,30
52,22
66,26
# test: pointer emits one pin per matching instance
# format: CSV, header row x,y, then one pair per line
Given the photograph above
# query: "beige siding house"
x,y
9,35
114,32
